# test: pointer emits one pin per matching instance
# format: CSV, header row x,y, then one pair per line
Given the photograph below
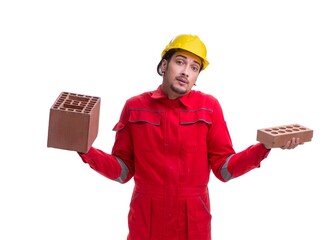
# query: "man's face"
x,y
180,74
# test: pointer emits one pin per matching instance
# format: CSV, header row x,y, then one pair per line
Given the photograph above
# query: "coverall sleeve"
x,y
243,162
119,165
225,162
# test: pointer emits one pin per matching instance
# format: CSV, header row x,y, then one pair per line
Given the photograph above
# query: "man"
x,y
169,140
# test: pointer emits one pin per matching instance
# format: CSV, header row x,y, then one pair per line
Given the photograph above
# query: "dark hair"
x,y
168,55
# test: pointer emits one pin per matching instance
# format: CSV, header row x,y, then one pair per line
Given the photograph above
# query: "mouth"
x,y
182,80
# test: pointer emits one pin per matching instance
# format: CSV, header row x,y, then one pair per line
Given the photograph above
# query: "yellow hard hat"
x,y
190,43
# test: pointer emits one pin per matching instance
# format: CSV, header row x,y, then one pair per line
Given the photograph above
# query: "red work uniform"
x,y
170,147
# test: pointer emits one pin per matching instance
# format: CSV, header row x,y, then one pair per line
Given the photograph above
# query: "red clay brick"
x,y
73,122
278,136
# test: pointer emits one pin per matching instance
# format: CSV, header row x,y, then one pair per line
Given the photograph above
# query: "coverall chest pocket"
x,y
145,129
194,126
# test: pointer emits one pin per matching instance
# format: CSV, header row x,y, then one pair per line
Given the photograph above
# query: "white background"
x,y
270,65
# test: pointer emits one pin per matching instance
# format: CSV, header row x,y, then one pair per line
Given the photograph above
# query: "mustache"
x,y
182,79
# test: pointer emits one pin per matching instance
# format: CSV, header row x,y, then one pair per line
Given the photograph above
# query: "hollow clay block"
x,y
278,136
73,122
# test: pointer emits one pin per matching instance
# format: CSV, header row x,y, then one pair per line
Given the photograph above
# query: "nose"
x,y
185,71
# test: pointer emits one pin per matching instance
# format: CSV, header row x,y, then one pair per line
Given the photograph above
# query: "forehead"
x,y
188,55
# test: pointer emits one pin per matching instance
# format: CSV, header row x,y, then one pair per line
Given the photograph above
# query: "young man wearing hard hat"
x,y
169,140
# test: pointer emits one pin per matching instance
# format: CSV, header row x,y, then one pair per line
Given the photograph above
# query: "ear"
x,y
163,65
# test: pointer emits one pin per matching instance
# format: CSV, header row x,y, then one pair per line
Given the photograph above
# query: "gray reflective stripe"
x,y
198,120
124,171
224,170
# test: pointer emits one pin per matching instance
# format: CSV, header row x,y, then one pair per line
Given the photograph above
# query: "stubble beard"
x,y
178,90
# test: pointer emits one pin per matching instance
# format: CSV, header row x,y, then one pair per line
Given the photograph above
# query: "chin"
x,y
179,90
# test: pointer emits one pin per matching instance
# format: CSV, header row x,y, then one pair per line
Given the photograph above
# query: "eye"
x,y
195,68
179,61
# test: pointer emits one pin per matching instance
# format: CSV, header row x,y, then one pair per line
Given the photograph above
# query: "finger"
x,y
294,142
287,145
297,141
300,142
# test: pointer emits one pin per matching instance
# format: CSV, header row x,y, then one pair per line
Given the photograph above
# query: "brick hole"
x,y
80,99
83,104
60,101
71,107
274,132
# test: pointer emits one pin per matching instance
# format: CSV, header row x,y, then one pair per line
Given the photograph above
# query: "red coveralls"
x,y
169,147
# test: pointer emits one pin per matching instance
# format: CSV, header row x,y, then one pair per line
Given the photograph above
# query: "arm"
x,y
243,162
240,163
225,162
119,165
106,164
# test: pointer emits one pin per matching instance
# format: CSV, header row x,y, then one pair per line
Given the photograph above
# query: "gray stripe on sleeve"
x,y
124,171
224,170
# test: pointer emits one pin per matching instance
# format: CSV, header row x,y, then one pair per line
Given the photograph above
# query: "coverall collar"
x,y
159,94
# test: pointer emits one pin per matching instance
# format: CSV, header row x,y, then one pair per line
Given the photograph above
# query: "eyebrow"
x,y
183,56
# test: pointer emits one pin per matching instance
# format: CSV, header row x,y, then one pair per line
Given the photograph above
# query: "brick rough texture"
x,y
73,122
274,137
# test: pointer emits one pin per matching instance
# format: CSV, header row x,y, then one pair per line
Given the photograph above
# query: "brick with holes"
x,y
274,137
73,122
